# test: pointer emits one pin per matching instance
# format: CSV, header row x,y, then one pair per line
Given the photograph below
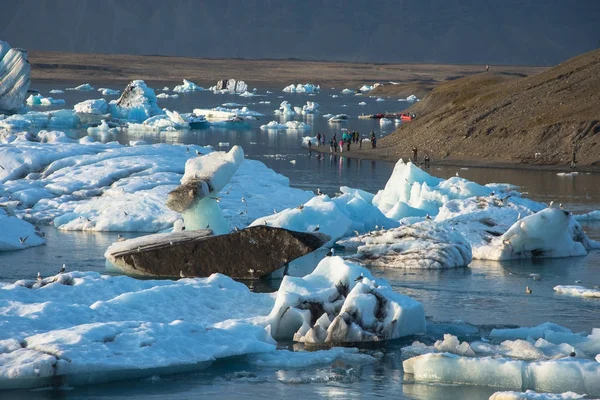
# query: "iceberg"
x,y
187,86
574,290
347,91
86,87
337,217
97,106
169,121
421,245
341,302
56,91
591,216
290,125
108,92
136,104
531,395
166,96
39,100
300,88
14,77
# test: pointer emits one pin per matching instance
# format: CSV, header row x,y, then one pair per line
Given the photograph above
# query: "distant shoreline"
x,y
57,67
386,155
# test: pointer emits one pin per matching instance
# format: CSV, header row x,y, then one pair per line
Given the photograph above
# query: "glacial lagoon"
x,y
468,302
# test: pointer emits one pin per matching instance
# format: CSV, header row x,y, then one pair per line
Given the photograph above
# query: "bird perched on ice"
x,y
300,207
39,277
457,173
198,153
527,290
359,278
120,238
572,354
187,149
244,201
63,269
317,228
22,240
551,204
427,216
330,253
217,199
181,274
319,192
560,205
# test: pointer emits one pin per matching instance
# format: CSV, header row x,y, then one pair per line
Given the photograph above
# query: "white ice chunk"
x,y
342,302
97,106
300,88
39,100
187,86
86,87
531,395
574,290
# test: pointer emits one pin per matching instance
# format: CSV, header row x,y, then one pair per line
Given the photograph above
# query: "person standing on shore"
x,y
318,139
414,154
323,139
331,146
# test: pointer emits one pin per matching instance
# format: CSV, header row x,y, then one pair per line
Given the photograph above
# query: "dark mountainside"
x,y
524,32
504,118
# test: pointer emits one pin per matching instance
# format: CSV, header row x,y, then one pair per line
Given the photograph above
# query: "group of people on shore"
x,y
347,139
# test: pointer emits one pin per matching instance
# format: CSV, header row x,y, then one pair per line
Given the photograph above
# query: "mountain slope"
x,y
506,118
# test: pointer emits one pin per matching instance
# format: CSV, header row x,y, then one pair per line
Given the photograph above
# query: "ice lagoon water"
x,y
486,294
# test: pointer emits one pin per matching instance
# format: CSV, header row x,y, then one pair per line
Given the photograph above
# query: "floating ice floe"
x,y
91,328
286,109
108,92
14,77
568,174
347,91
362,103
97,106
336,118
342,302
421,245
367,88
39,100
574,290
299,88
561,362
136,104
169,121
56,91
17,234
380,99
337,217
103,128
496,222
591,216
411,99
288,126
187,86
532,395
166,96
86,87
385,121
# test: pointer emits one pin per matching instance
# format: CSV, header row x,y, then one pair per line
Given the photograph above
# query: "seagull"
x,y
125,212
120,238
236,229
359,278
319,192
376,227
427,216
217,199
274,211
22,240
63,269
493,193
527,290
572,354
39,276
187,149
329,253
244,201
300,207
207,226
181,274
457,173
2,167
265,223
357,233
317,228
518,216
198,153
560,205
229,190
550,204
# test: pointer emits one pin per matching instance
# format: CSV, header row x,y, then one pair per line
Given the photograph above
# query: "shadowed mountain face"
x,y
528,32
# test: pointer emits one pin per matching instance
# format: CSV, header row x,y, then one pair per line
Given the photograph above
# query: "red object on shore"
x,y
405,117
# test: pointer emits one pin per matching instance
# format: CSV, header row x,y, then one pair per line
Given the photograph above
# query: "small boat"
x,y
406,117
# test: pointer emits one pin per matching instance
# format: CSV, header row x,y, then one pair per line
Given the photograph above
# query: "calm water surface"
x,y
485,294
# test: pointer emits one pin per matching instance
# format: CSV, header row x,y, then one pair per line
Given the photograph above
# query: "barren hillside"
x,y
507,118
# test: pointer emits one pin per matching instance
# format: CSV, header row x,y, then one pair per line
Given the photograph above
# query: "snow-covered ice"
x,y
136,104
591,216
288,126
109,92
532,395
17,234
